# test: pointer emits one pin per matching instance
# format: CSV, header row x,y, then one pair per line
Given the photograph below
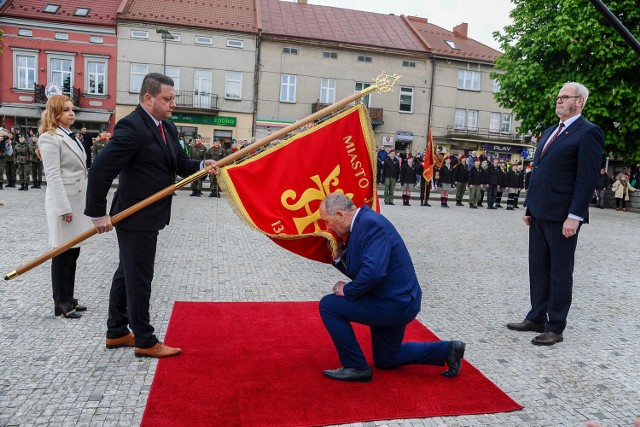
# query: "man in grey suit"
x,y
563,178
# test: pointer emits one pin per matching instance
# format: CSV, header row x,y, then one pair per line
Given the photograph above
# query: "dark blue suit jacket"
x,y
562,181
377,260
145,165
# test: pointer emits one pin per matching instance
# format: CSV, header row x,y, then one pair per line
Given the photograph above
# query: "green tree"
x,y
554,41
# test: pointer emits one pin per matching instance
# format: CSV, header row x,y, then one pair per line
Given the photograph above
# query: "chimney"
x,y
461,30
302,1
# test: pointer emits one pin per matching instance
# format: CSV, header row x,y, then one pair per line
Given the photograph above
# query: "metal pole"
x,y
164,59
616,24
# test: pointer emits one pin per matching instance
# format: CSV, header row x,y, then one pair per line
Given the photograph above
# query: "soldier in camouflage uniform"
x,y
36,164
10,164
99,143
6,151
216,152
197,152
22,154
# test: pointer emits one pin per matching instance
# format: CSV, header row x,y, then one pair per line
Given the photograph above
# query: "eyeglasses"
x,y
564,98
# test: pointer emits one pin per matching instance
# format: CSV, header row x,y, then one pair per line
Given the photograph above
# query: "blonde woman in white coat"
x,y
622,187
64,162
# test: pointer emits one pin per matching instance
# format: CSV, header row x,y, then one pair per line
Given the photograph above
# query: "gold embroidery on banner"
x,y
312,195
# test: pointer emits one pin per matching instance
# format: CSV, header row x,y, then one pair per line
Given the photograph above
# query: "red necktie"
x,y
162,132
553,138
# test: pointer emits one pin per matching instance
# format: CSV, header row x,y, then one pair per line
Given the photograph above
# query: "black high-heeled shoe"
x,y
78,307
58,311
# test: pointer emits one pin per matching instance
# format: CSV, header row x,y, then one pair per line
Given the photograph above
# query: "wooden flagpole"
x,y
383,83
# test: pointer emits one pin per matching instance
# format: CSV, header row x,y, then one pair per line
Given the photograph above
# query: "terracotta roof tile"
x,y
338,25
230,15
436,39
101,12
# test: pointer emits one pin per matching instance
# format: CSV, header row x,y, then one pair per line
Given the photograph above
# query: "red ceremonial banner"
x,y
279,190
429,159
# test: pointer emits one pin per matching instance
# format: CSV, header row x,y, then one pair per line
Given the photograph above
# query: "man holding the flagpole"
x,y
146,156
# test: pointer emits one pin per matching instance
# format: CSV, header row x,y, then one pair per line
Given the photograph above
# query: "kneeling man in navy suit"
x,y
383,293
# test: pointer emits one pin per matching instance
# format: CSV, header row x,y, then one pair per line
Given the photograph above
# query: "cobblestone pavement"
x,y
471,264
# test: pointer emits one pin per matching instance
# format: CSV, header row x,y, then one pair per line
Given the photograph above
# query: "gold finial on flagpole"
x,y
384,82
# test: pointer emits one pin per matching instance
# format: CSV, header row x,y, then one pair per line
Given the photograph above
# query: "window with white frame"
x,y
290,50
61,36
174,73
204,40
327,91
506,123
460,119
288,87
96,39
472,119
139,34
24,32
360,86
61,71
51,8
202,88
238,44
469,80
176,38
466,119
494,124
406,99
96,83
495,87
25,66
233,85
138,71
329,54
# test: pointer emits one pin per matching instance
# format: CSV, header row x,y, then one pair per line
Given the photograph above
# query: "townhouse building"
x,y
464,115
312,56
51,47
208,48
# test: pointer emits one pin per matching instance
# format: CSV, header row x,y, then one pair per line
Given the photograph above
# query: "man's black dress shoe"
x,y
349,374
547,338
454,359
526,325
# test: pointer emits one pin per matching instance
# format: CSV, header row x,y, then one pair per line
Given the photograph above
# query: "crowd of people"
x,y
20,159
21,164
487,179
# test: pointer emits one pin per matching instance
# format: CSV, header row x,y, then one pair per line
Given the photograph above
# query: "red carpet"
x,y
260,364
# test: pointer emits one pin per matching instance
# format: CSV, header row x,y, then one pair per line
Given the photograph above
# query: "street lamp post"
x,y
165,35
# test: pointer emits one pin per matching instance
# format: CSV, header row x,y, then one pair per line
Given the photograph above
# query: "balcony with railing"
x,y
376,114
483,134
196,101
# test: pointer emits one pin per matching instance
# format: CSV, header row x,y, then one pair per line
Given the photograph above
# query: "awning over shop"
x,y
93,116
17,111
